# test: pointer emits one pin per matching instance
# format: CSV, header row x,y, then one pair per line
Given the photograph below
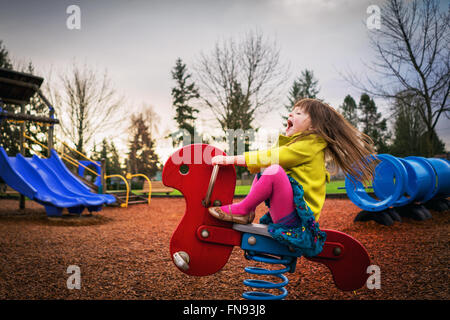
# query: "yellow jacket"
x,y
303,160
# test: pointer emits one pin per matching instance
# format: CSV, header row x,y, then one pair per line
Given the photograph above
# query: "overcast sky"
x,y
139,41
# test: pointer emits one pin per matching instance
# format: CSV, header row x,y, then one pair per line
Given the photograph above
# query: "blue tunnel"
x,y
401,181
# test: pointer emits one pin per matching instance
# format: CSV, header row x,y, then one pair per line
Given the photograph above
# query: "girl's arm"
x,y
226,160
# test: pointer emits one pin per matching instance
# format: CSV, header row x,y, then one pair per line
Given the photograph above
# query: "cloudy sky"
x,y
137,42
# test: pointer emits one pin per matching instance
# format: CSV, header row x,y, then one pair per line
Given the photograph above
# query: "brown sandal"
x,y
218,213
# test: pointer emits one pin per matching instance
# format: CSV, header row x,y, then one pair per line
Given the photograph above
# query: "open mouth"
x,y
289,124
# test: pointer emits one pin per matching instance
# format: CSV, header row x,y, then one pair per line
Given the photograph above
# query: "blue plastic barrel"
x,y
398,182
389,184
442,170
423,184
385,182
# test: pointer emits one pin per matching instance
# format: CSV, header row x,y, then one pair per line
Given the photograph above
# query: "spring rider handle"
x,y
212,182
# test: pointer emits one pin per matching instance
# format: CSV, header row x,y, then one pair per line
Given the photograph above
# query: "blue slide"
x,y
50,183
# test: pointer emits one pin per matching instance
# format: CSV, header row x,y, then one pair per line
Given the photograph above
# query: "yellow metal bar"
x,y
126,184
69,161
78,163
15,121
37,152
149,184
35,141
65,156
79,153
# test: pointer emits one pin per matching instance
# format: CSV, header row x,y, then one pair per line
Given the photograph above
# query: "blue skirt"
x,y
299,229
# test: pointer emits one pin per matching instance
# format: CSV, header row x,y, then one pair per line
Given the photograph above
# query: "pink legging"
x,y
274,185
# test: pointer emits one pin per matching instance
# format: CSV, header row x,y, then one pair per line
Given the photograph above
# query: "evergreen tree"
x,y
241,114
308,85
372,123
182,94
114,160
142,157
305,86
5,61
409,129
349,110
293,97
111,156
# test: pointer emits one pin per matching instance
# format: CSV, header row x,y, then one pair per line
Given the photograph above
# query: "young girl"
x,y
293,182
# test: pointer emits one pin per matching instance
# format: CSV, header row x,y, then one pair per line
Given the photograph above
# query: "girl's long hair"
x,y
348,148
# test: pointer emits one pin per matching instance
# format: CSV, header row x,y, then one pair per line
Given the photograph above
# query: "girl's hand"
x,y
227,160
220,160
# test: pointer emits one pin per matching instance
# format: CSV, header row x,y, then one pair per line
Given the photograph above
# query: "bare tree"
x,y
252,65
413,55
88,105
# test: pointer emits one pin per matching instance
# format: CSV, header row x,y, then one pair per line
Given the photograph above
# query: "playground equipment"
x,y
17,88
97,167
403,187
201,245
50,183
46,181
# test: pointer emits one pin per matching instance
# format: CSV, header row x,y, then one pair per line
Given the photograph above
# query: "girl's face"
x,y
298,121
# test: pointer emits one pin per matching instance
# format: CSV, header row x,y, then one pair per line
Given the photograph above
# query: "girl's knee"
x,y
273,169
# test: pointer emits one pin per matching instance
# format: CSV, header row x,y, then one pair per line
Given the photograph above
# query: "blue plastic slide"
x,y
50,183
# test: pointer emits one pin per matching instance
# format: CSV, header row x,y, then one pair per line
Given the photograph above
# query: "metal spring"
x,y
258,295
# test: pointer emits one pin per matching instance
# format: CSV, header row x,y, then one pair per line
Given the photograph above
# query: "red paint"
x,y
205,258
348,268
219,235
328,250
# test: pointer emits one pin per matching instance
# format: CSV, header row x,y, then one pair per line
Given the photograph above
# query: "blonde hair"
x,y
348,148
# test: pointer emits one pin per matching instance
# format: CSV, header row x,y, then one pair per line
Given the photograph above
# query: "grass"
x,y
332,188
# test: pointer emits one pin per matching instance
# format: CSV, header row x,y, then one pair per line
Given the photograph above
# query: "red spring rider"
x,y
201,244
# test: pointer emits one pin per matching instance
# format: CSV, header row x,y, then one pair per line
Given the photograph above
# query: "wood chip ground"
x,y
124,254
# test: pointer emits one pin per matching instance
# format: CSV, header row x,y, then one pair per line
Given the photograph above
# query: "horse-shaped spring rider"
x,y
201,245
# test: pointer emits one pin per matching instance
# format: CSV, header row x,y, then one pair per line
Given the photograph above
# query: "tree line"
x,y
238,79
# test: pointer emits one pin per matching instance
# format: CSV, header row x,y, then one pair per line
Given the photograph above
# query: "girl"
x,y
293,182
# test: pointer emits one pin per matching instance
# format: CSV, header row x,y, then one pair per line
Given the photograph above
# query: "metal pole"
x,y
102,175
22,151
212,182
50,134
129,172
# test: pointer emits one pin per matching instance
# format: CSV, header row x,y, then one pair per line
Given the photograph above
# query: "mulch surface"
x,y
124,254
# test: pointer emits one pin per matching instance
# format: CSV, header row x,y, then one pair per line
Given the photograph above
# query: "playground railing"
x,y
149,183
125,205
63,155
78,152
